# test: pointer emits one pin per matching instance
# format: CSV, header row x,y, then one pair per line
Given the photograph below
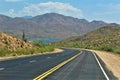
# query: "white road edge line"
x,y
106,76
2,69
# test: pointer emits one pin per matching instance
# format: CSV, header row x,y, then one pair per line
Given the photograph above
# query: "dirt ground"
x,y
111,60
56,50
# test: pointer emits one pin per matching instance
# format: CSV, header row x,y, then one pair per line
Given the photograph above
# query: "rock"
x,y
12,43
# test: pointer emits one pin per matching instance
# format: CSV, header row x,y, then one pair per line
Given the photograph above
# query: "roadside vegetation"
x,y
39,47
12,46
87,46
106,39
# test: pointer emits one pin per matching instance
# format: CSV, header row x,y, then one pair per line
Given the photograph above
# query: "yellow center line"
x,y
45,74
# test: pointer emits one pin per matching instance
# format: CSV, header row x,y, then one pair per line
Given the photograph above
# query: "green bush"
x,y
106,48
3,51
39,43
23,51
35,50
117,50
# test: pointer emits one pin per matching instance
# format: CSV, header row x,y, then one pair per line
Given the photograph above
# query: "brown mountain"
x,y
50,25
105,38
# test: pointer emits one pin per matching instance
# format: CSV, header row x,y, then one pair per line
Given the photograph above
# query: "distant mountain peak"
x,y
4,18
95,21
49,25
54,14
49,15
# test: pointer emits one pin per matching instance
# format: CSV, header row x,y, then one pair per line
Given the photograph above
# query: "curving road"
x,y
28,68
83,67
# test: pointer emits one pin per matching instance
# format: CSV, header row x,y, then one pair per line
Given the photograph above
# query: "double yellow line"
x,y
45,74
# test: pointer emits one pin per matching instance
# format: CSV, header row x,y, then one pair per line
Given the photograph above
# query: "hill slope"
x,y
50,25
12,46
12,43
105,38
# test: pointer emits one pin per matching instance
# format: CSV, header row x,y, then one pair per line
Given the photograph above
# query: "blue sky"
x,y
106,10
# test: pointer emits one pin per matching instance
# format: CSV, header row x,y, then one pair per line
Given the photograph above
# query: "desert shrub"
x,y
39,43
117,50
106,48
3,51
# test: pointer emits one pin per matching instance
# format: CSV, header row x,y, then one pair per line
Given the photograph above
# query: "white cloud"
x,y
11,12
12,0
49,7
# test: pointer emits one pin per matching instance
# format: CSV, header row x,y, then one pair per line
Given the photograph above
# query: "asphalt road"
x,y
84,67
28,68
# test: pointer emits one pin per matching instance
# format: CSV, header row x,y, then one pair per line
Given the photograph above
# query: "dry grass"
x,y
56,50
111,60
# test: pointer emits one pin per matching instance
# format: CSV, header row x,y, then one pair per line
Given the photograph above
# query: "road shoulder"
x,y
111,60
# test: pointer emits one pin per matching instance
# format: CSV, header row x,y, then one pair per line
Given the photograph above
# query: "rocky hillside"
x,y
12,43
107,37
50,25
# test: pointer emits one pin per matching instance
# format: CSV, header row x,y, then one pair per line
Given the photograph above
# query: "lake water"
x,y
45,40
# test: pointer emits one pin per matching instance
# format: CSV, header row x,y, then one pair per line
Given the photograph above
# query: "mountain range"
x,y
49,25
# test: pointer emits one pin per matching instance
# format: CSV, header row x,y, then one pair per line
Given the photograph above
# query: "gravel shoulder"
x,y
111,60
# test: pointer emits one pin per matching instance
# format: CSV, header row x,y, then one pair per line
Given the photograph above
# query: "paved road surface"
x,y
84,67
30,67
